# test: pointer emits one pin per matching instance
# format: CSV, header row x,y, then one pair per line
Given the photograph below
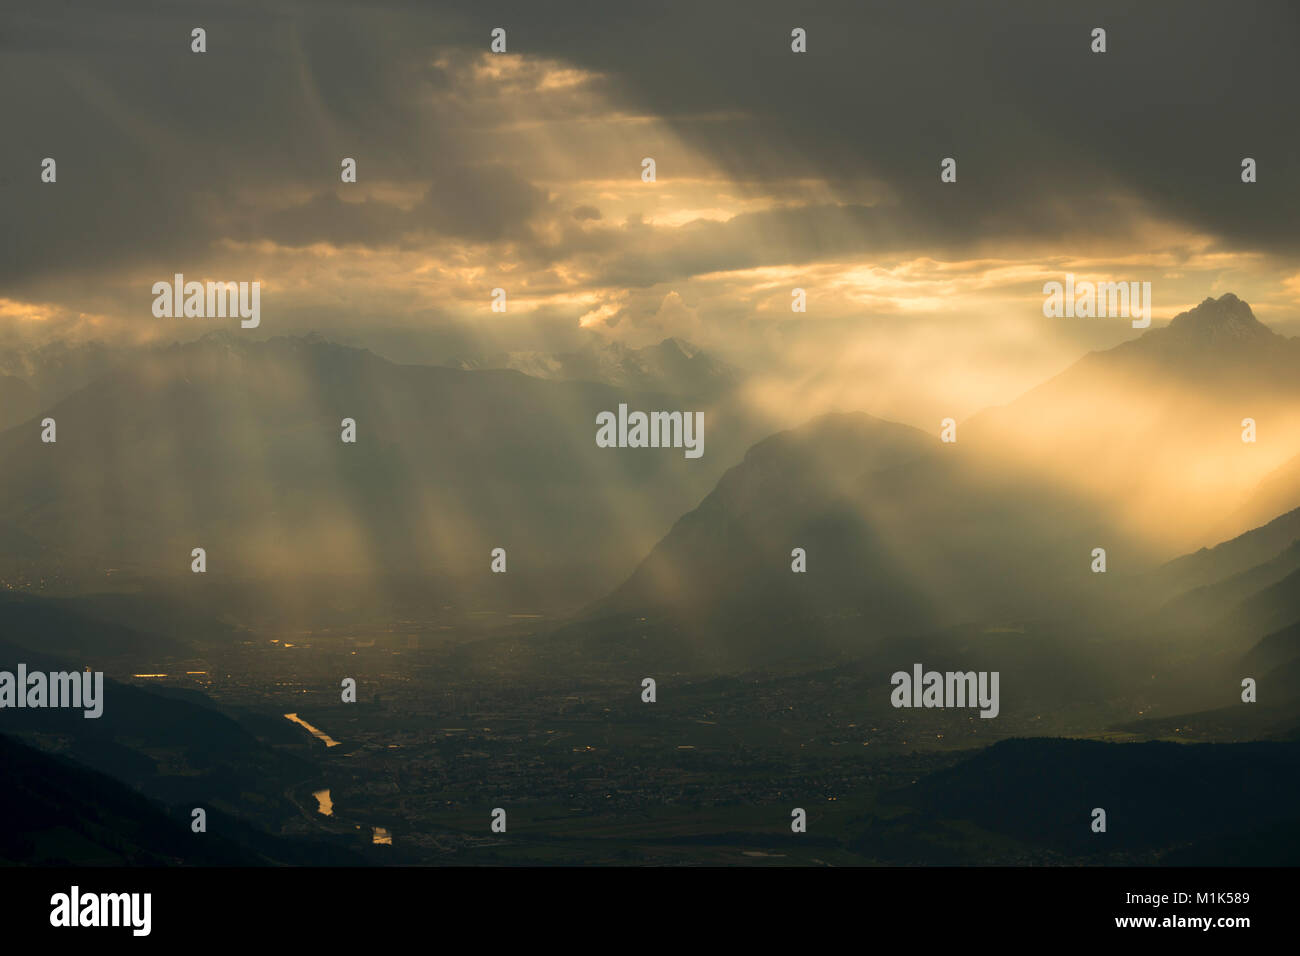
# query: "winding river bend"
x,y
318,734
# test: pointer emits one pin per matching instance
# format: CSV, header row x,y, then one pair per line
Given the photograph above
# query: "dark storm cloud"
x,y
1038,123
161,151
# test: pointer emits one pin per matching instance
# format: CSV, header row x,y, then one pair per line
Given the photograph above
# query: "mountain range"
x,y
236,447
907,535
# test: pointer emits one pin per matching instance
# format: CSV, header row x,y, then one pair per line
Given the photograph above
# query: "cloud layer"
x,y
522,171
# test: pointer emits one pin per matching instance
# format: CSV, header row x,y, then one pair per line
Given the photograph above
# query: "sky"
x,y
774,171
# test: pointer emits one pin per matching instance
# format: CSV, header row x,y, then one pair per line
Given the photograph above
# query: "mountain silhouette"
x,y
1151,430
902,534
